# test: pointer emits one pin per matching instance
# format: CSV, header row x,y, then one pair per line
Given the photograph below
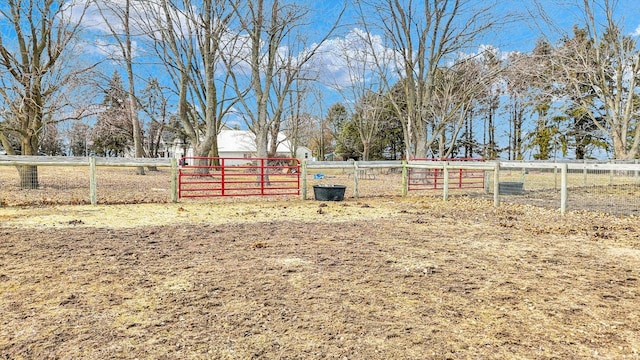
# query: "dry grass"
x,y
377,278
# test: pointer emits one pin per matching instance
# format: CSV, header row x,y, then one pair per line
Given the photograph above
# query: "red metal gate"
x,y
212,177
433,179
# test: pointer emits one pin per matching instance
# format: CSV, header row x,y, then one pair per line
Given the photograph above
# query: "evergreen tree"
x,y
112,134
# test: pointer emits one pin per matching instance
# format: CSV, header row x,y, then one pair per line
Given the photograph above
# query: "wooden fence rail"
x,y
92,163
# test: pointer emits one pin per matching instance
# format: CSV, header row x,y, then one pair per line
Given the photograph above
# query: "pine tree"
x,y
112,134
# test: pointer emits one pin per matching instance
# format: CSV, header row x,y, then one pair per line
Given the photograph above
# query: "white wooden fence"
x,y
92,163
493,169
359,169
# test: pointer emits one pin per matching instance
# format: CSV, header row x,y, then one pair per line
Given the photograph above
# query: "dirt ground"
x,y
381,278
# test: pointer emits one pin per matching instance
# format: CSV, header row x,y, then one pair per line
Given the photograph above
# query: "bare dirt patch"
x,y
381,278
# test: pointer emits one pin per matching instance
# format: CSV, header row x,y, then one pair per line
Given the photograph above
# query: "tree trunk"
x,y
420,136
133,103
137,133
468,130
493,153
262,145
366,148
29,173
214,152
28,177
408,153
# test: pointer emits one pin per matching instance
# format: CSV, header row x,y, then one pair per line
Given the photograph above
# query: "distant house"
x,y
239,144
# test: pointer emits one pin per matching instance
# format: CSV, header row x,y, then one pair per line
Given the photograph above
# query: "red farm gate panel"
x,y
211,177
433,179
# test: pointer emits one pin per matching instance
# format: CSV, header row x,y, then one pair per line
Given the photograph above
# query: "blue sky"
x,y
519,33
566,14
522,28
523,25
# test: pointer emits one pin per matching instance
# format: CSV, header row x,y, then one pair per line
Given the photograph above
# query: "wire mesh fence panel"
x,y
71,185
434,179
51,185
588,188
605,187
375,182
123,185
537,187
609,191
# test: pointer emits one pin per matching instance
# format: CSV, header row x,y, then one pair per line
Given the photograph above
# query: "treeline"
x,y
413,80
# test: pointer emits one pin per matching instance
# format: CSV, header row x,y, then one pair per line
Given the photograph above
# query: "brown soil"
x,y
381,278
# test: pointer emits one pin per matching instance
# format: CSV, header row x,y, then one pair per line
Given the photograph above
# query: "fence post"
x,y
445,186
174,180
355,180
405,178
93,188
486,182
611,173
496,184
563,190
303,174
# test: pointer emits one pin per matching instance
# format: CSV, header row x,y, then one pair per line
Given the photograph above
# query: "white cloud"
x,y
96,16
110,50
352,59
637,32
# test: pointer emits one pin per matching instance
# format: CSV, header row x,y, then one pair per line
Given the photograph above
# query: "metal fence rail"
x,y
201,177
434,179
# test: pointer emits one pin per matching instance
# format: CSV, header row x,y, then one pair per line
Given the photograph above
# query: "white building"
x,y
240,144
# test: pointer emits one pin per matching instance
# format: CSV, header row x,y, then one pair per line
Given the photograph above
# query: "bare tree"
x,y
78,136
155,105
424,36
299,125
518,81
456,90
36,69
275,50
189,39
603,62
118,19
363,93
367,119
